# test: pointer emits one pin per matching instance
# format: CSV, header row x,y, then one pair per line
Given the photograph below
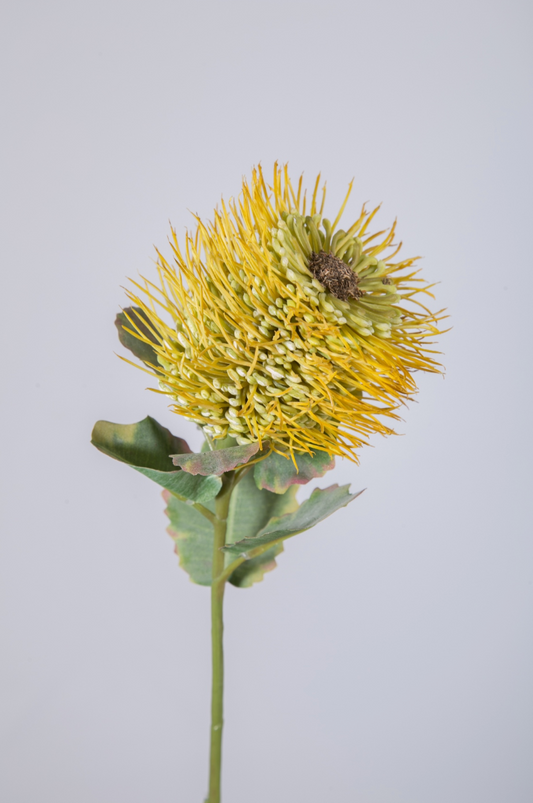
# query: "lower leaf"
x,y
193,538
321,504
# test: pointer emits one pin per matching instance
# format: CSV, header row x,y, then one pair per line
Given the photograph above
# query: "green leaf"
x,y
250,510
321,504
146,443
193,537
253,570
146,447
276,473
131,320
216,462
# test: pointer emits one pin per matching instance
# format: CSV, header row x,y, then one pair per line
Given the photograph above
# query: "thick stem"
x,y
217,627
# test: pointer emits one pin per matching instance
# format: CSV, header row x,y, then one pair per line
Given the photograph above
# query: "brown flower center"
x,y
336,276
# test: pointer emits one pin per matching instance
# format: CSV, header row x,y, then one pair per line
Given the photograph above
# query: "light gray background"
x,y
389,658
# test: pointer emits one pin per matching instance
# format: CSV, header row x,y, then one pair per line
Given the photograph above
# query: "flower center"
x,y
336,276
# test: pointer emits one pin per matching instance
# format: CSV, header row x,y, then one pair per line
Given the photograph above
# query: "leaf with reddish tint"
x,y
250,509
216,462
146,447
132,323
276,473
321,504
193,538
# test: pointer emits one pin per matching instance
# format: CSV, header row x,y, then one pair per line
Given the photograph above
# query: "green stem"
x,y
217,627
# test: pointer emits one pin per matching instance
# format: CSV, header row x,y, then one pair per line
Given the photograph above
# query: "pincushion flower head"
x,y
274,324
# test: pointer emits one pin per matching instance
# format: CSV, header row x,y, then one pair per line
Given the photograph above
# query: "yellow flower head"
x,y
282,327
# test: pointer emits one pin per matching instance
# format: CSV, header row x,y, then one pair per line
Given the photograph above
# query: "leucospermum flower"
x,y
274,324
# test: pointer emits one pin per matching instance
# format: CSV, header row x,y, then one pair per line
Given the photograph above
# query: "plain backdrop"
x,y
389,657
